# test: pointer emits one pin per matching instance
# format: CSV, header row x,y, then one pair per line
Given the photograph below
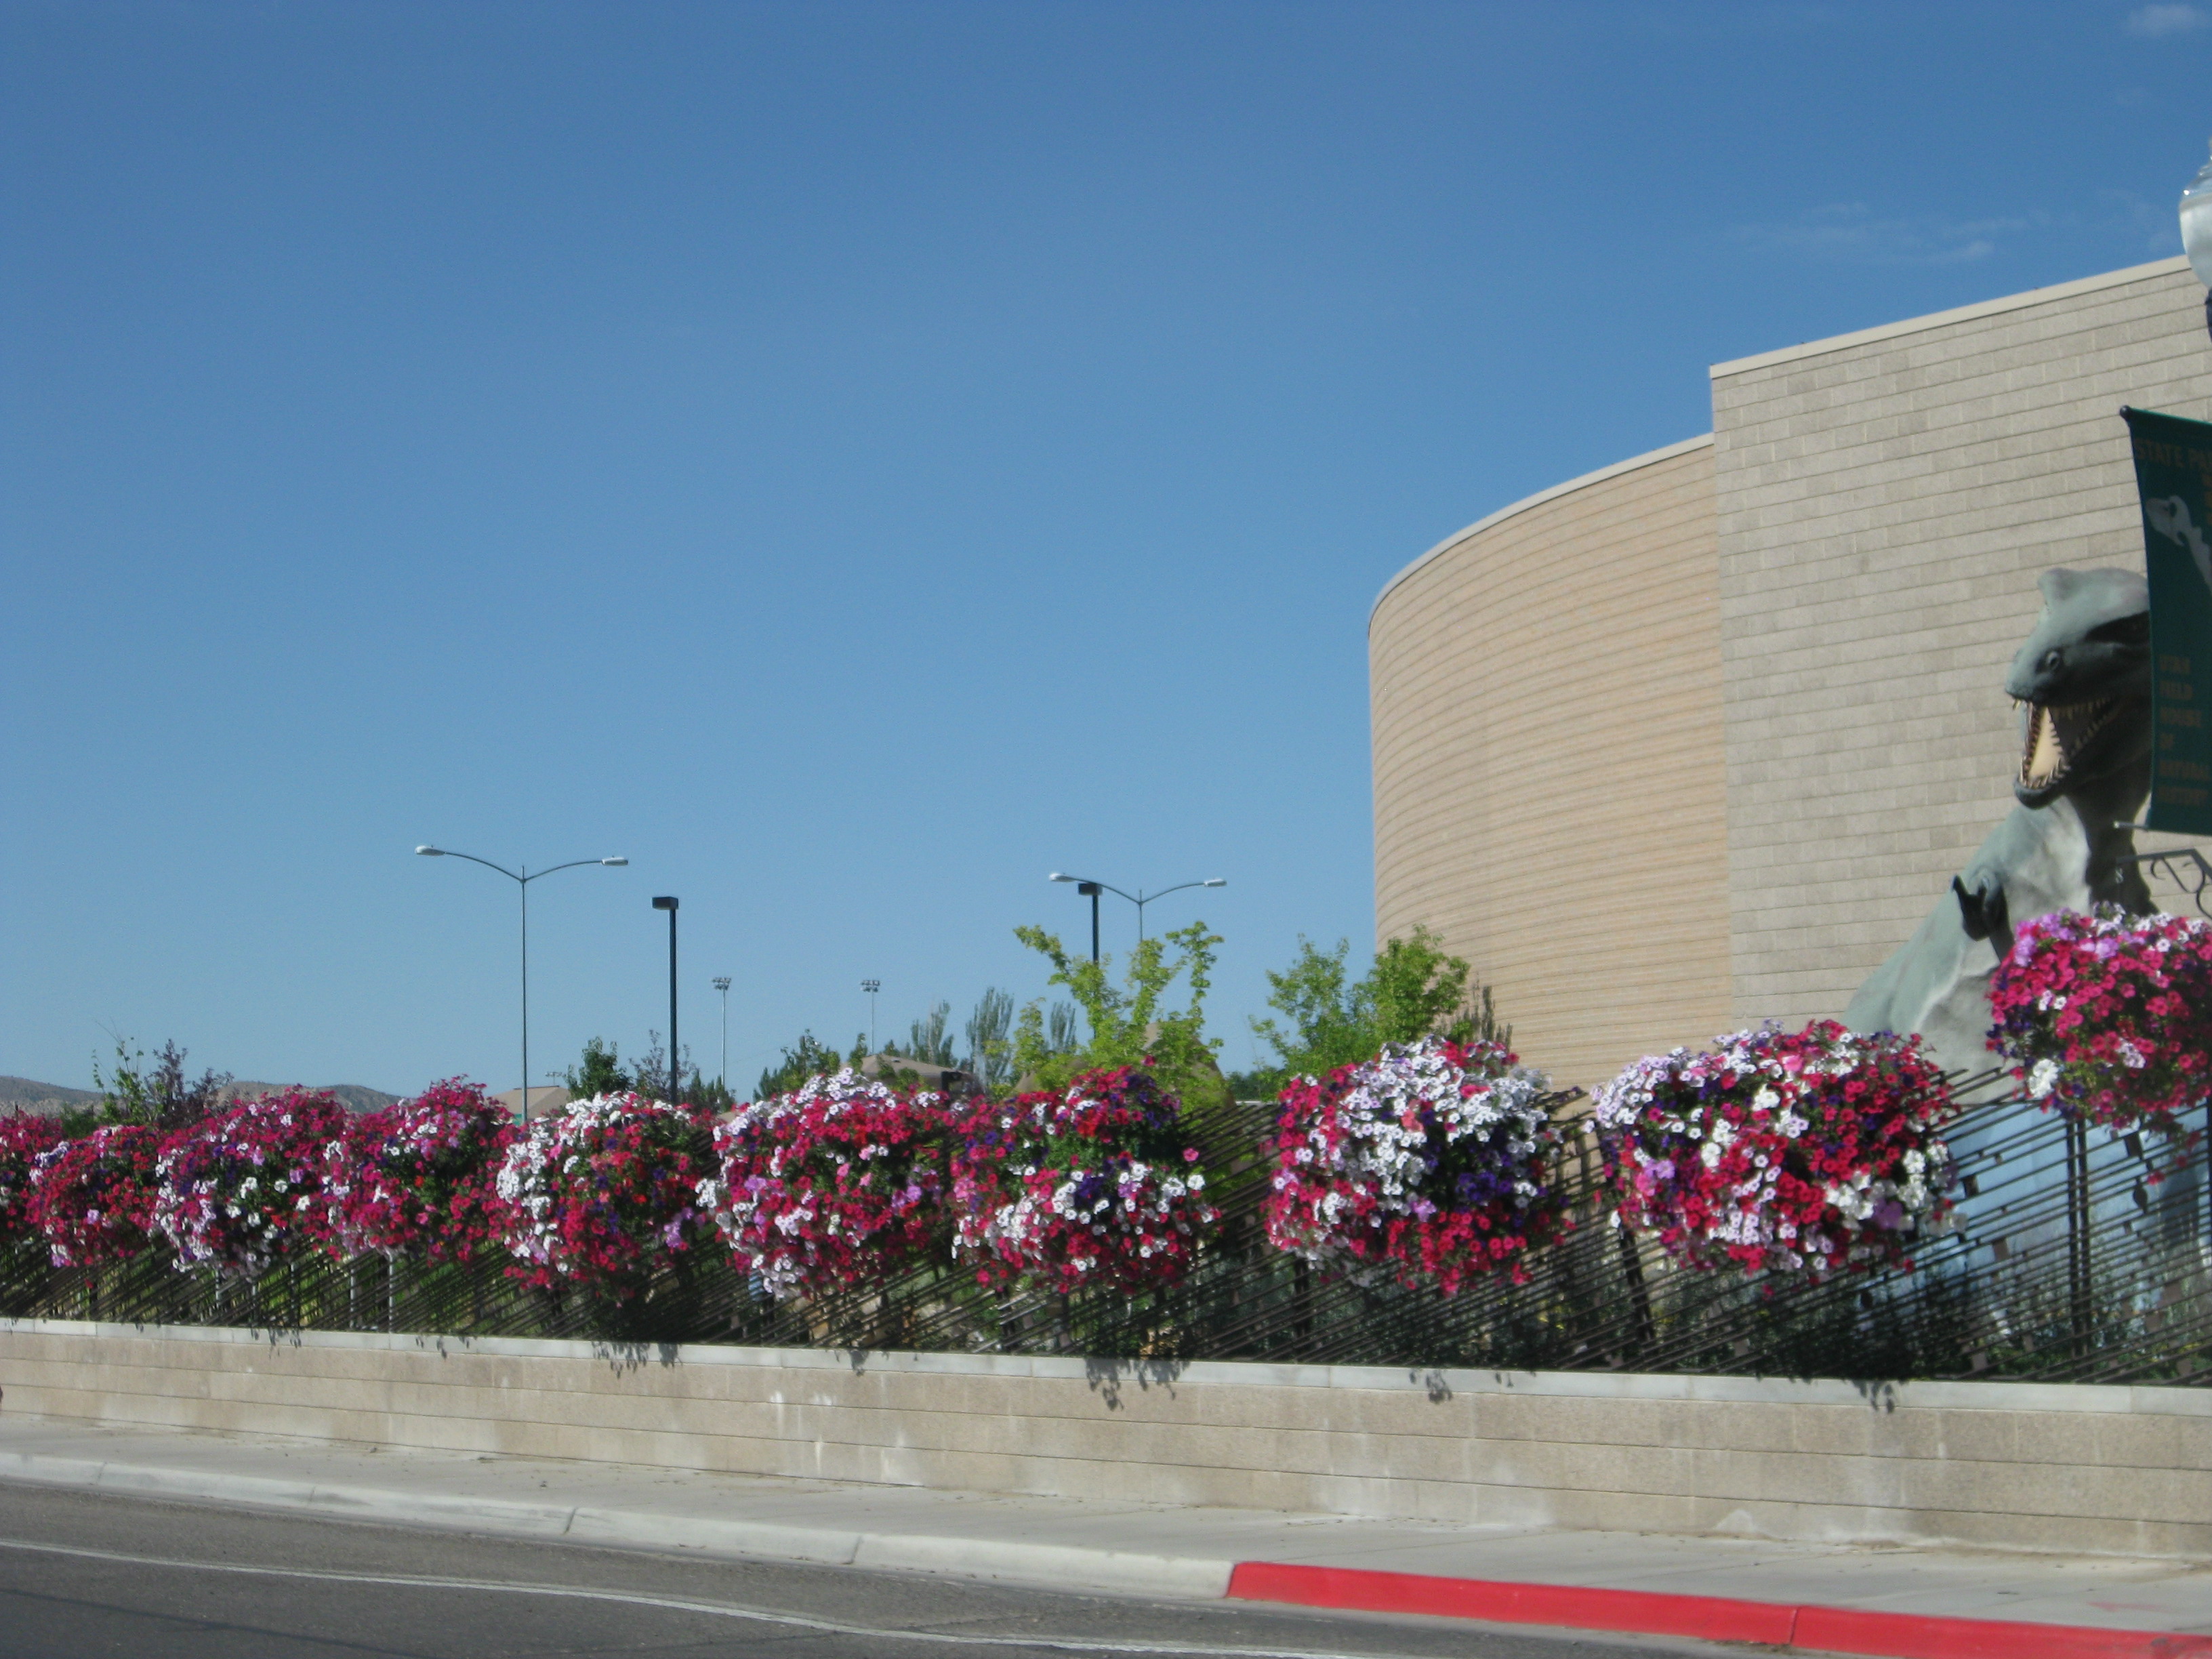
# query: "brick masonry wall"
x,y
2068,1467
1884,503
1550,778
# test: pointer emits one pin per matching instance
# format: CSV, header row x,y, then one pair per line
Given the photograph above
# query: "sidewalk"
x,y
1912,1603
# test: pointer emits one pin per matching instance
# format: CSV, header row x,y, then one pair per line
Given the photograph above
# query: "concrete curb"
x,y
1714,1618
1047,1565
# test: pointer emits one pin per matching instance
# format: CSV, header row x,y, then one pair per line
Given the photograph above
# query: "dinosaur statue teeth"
x,y
2057,734
2045,757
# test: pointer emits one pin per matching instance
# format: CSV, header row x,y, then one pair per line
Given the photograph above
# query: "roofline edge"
x,y
1634,463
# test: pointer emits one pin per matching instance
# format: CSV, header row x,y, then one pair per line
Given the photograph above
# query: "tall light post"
x,y
722,982
521,878
667,902
872,986
1091,890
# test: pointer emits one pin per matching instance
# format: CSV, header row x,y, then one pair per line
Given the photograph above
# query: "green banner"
x,y
2174,474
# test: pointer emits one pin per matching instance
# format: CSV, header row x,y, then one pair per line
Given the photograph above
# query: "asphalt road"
x,y
84,1575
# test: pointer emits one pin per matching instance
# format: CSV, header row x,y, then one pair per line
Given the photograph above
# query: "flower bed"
x,y
418,1179
838,1184
1427,1164
2108,1017
595,1193
243,1187
23,1138
1096,1187
1809,1151
92,1199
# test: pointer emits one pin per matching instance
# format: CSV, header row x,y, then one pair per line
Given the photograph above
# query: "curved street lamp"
x,y
522,879
1091,890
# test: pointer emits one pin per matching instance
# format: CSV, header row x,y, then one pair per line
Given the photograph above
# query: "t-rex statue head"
x,y
2084,675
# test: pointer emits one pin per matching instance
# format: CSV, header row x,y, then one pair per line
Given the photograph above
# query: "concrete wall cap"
x,y
1438,1382
2034,296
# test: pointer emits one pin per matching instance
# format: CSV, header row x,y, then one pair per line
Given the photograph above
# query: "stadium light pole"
x,y
872,986
722,982
521,878
1140,898
667,902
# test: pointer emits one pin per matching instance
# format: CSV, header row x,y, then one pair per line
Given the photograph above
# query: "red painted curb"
x,y
1716,1618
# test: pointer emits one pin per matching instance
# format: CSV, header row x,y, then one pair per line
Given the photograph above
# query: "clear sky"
x,y
853,460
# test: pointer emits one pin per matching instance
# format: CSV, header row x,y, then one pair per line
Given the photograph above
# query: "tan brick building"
x,y
1697,740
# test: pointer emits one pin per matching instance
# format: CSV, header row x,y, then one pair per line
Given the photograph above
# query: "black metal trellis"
x,y
2078,1256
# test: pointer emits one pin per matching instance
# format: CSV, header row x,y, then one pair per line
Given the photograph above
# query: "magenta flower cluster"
x,y
839,1184
1809,1151
1097,1186
2108,1017
1428,1165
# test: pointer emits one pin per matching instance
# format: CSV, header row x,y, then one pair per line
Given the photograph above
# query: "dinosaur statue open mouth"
x,y
2058,735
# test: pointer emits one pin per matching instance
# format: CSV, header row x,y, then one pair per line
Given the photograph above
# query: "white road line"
x,y
1057,1643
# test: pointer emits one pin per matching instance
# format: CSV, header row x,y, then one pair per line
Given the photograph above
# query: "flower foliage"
x,y
23,1138
595,1193
2108,1017
417,1179
837,1184
1807,1151
93,1198
1097,1186
1426,1164
244,1187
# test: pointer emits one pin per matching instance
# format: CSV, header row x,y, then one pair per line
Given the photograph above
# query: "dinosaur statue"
x,y
2084,676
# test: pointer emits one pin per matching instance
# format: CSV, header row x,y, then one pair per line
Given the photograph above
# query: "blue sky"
x,y
855,459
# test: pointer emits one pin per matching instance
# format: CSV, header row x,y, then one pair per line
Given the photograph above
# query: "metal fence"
x,y
2070,1262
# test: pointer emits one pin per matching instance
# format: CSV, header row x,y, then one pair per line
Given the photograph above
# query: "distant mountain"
x,y
21,1094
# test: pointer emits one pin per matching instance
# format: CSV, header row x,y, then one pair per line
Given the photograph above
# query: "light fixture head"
x,y
720,981
614,861
2197,223
1217,881
1056,876
666,902
429,852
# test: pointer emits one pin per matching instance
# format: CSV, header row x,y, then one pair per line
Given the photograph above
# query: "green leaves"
x,y
1414,990
1130,1023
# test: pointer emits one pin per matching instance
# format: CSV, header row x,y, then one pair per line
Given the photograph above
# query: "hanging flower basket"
x,y
837,1185
1427,1165
92,1199
1809,1153
2108,1017
240,1189
1096,1187
601,1191
418,1179
24,1139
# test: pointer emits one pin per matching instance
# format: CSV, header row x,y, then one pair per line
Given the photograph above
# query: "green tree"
x,y
599,1073
158,1096
990,1038
805,1059
1413,989
929,1039
1130,1025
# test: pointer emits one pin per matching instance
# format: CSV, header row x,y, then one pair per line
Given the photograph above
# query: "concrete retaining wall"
x,y
2007,1464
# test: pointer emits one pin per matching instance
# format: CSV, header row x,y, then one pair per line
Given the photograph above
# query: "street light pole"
x,y
667,902
1140,898
521,878
722,982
